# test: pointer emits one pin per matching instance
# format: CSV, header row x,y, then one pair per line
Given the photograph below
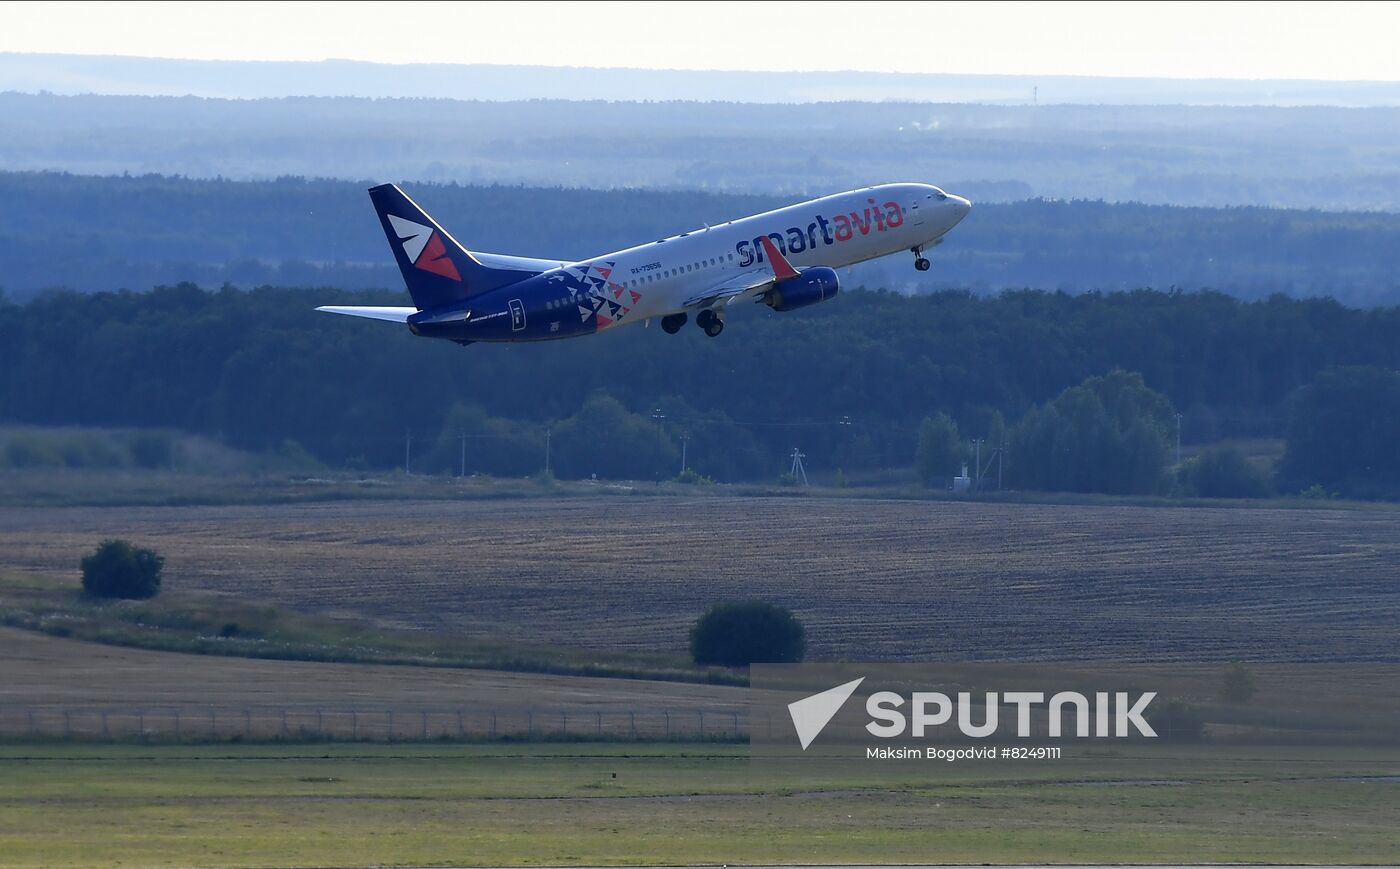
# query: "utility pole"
x,y
1001,454
547,434
407,451
685,439
660,418
1178,438
798,472
462,435
977,465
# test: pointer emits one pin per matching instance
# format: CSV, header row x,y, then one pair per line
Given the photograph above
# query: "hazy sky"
x,y
1175,40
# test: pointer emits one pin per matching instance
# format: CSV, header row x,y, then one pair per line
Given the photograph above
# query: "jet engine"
x,y
814,285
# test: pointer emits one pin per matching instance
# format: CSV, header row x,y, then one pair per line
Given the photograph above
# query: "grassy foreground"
x,y
341,805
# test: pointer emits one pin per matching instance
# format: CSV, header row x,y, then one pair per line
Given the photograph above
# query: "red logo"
x,y
424,248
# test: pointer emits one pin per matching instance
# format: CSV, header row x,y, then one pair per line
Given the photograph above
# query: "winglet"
x,y
782,269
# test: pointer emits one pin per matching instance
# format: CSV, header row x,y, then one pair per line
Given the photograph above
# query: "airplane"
x,y
785,259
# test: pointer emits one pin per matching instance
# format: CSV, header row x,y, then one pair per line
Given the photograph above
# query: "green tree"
x,y
940,451
1342,434
493,445
119,569
1109,434
747,632
606,439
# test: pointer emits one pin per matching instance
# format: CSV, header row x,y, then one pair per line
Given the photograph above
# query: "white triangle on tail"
x,y
811,714
413,235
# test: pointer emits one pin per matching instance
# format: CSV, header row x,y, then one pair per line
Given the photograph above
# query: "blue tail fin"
x,y
437,270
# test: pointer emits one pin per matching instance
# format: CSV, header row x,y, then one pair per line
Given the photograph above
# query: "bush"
x,y
748,632
1176,720
32,451
119,569
1238,684
692,477
1222,473
152,450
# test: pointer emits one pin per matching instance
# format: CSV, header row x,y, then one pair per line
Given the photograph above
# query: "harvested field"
x,y
871,579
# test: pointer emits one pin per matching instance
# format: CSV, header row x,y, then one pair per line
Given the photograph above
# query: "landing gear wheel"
x,y
710,322
921,264
673,323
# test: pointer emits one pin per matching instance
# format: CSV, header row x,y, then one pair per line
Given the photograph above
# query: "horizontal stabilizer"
x,y
394,315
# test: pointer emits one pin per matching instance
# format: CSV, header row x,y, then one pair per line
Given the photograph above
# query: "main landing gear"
x,y
672,324
920,262
710,322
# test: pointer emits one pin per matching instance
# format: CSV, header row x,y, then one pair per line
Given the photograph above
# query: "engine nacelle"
x,y
814,285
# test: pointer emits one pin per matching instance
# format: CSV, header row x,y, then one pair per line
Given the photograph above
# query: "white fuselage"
x,y
833,231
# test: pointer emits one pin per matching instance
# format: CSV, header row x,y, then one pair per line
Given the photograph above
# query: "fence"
x,y
365,723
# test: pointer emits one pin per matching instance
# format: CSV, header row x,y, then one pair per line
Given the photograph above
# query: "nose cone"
x,y
962,205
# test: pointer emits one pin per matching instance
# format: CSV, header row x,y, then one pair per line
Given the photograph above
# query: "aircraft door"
x,y
916,215
517,315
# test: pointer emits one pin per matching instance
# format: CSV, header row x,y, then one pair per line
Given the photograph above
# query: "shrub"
x,y
747,632
1176,720
153,450
1238,684
32,451
1223,473
119,569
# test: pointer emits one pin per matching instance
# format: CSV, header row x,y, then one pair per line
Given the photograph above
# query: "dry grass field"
x,y
42,670
898,580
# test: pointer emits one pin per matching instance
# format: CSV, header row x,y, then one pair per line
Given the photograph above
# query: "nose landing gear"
x,y
920,262
710,322
672,324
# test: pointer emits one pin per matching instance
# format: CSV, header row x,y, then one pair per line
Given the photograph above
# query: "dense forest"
x,y
1309,156
849,382
93,233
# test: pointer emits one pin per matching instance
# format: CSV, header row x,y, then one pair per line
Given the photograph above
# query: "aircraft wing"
x,y
743,285
747,284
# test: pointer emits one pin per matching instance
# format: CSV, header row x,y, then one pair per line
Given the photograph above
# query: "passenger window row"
x,y
679,270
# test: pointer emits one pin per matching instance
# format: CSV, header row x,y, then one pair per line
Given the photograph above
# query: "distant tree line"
x,y
1112,435
1204,155
103,233
849,382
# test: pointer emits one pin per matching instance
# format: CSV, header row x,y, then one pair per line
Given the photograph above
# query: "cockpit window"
x,y
939,194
